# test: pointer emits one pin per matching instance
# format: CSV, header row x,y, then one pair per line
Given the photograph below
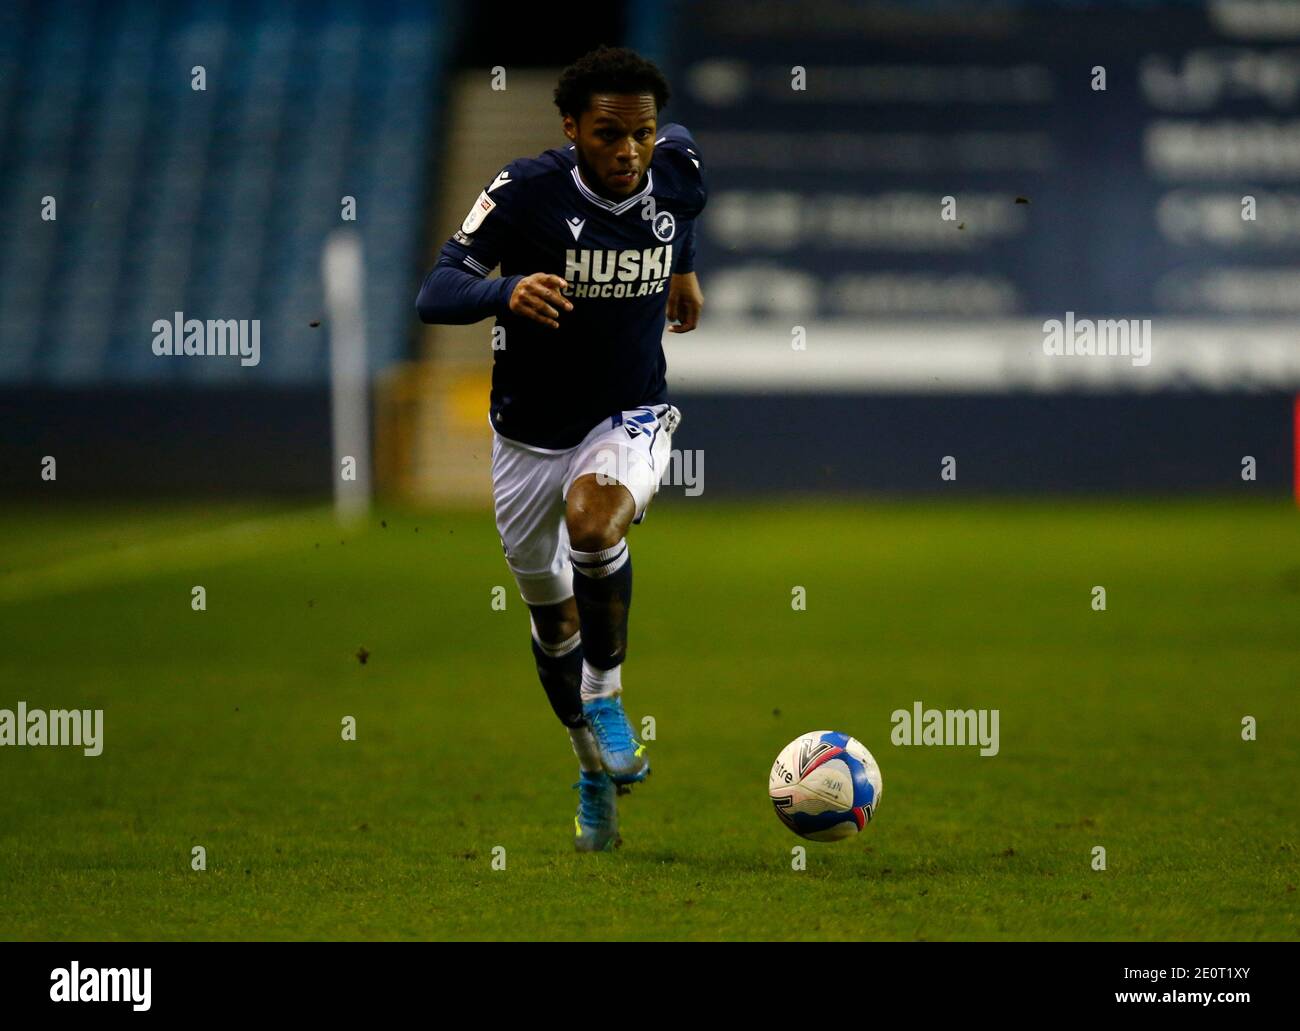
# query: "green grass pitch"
x,y
1120,728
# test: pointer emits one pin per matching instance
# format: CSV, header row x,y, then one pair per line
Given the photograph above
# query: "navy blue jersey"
x,y
551,386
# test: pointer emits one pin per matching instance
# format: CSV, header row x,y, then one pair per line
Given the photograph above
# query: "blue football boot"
x,y
596,825
622,754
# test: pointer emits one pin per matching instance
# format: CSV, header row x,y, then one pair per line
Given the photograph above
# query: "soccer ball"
x,y
825,786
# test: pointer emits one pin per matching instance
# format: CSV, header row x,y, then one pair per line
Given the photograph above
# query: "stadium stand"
x,y
212,201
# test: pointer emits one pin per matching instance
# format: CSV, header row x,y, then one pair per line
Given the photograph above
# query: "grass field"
x,y
1119,728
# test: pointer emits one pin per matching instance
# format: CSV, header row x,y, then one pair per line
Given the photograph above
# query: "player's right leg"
x,y
529,506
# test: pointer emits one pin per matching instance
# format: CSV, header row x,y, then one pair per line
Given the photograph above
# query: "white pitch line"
x,y
204,548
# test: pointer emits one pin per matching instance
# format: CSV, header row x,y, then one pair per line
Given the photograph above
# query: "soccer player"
x,y
595,242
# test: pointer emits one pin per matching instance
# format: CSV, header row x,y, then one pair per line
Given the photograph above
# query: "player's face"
x,y
614,139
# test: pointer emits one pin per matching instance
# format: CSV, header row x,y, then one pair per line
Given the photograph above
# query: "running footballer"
x,y
596,246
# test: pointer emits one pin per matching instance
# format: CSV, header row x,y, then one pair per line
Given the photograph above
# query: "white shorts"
x,y
529,487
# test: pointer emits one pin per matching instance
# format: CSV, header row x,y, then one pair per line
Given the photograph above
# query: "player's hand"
x,y
685,302
538,297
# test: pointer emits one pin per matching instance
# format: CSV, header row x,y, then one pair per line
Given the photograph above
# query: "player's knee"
x,y
593,527
594,534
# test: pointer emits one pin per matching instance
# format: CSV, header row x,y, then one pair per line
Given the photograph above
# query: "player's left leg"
x,y
529,509
615,476
598,516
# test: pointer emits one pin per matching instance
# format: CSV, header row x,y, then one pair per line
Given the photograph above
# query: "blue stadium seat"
x,y
217,202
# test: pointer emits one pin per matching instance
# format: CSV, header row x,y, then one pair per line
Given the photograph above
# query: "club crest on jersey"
x,y
665,226
481,209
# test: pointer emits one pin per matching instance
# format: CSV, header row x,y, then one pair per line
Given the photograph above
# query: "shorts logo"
x,y
665,226
639,423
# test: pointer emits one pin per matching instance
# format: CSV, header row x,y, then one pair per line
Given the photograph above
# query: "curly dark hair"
x,y
608,70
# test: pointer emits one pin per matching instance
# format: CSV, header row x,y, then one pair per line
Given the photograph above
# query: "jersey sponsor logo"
x,y
627,273
665,226
481,209
575,225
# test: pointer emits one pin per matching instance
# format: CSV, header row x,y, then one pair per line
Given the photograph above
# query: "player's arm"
x,y
676,135
685,299
685,302
457,290
452,296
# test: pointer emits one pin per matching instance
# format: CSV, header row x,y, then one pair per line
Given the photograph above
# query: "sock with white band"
x,y
598,565
600,683
559,667
602,588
